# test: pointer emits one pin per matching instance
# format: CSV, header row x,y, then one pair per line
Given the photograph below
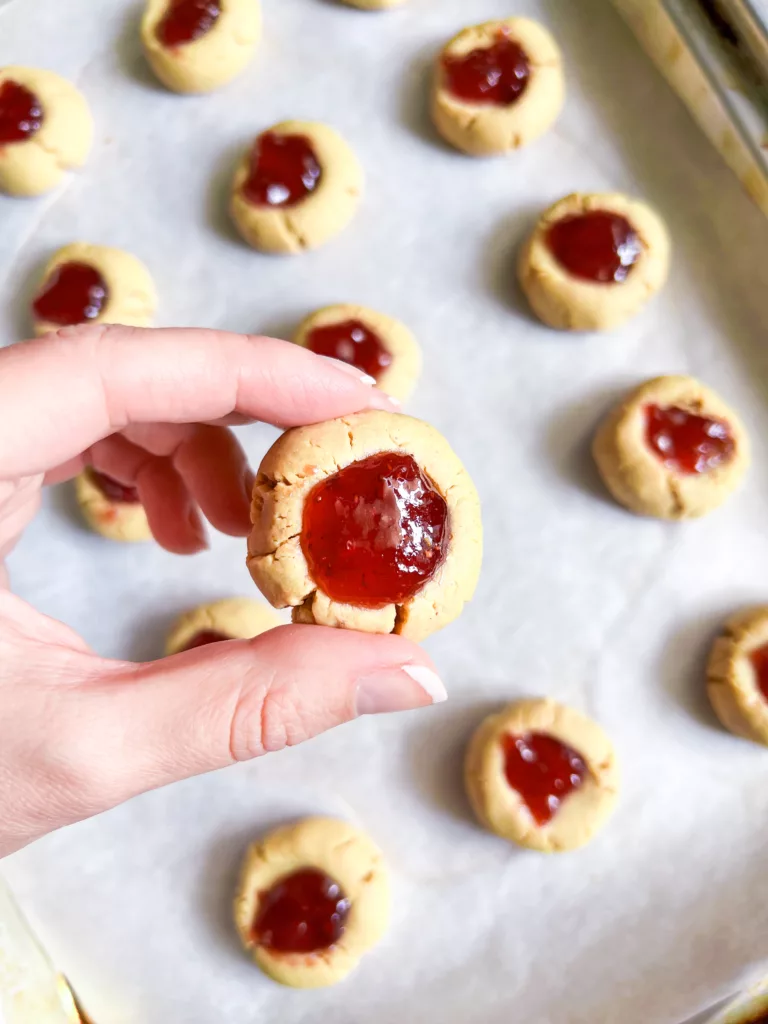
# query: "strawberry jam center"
x,y
352,342
21,114
595,246
112,489
205,637
283,170
73,293
374,532
543,771
759,659
187,20
302,913
491,74
685,442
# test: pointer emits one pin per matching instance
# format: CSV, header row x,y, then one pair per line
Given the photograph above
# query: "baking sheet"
x,y
662,914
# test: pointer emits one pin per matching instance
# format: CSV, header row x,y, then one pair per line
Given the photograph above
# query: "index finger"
x,y
61,393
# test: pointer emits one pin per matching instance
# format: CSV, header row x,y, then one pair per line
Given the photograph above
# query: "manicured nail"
x,y
378,400
249,479
399,689
198,529
364,378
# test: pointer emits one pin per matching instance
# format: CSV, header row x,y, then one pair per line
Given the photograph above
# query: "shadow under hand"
x,y
219,879
219,192
499,264
414,106
23,297
130,52
435,754
568,441
682,666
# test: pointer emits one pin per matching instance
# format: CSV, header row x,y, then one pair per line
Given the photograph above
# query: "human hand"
x,y
152,408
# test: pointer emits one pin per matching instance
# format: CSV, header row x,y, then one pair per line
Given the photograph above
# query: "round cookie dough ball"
x,y
194,47
111,508
737,675
375,343
497,86
671,449
93,284
366,522
234,618
312,899
297,187
593,261
541,775
46,129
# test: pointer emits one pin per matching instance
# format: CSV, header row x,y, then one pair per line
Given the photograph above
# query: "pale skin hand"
x,y
80,733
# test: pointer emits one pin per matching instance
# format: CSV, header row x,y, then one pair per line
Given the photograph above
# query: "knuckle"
x,y
263,722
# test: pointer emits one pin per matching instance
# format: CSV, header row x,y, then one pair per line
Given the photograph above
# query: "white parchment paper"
x,y
663,913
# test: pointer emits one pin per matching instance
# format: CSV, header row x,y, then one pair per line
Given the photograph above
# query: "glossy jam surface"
x,y
301,913
114,490
543,771
685,442
205,637
283,171
21,114
187,20
496,74
352,342
374,532
72,294
759,659
595,246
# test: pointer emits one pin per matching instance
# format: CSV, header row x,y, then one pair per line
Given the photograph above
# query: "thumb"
x,y
210,707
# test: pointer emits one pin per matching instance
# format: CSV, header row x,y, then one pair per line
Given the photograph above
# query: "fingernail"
x,y
249,478
364,378
198,529
378,400
399,689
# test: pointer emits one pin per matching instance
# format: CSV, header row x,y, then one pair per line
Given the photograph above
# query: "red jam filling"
x,y
114,490
301,913
759,659
352,342
283,170
374,532
543,771
204,637
686,442
187,20
492,74
73,293
595,246
21,114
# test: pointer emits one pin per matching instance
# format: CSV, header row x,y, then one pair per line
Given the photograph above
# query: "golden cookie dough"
x,y
303,457
483,129
570,303
732,679
399,378
131,295
321,215
346,855
500,808
117,520
38,163
238,618
211,61
634,473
